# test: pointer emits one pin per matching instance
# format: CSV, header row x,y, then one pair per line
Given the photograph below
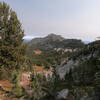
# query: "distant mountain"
x,y
87,41
54,41
26,40
54,37
50,37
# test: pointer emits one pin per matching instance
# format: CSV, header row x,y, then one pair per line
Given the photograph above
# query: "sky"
x,y
70,18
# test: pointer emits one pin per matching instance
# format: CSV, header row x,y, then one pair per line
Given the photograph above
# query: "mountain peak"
x,y
54,37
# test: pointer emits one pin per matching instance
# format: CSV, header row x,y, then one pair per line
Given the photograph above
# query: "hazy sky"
x,y
69,18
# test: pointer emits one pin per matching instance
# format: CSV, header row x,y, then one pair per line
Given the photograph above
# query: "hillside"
x,y
48,68
51,50
52,40
81,73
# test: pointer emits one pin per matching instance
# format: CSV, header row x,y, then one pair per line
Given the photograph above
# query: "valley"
x,y
46,68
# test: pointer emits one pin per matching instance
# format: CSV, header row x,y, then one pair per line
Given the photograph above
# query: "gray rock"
x,y
63,69
62,94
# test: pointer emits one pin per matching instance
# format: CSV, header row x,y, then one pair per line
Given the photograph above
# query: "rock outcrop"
x,y
81,64
62,94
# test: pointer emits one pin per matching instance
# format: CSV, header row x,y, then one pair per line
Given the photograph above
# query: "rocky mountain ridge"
x,y
54,41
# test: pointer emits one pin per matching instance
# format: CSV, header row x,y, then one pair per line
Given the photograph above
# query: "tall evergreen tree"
x,y
11,37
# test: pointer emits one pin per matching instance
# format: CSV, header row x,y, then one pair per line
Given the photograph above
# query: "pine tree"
x,y
12,50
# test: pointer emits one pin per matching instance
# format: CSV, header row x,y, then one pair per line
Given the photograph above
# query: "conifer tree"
x,y
11,37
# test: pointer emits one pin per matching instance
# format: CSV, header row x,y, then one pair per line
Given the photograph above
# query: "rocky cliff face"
x,y
82,68
62,69
82,56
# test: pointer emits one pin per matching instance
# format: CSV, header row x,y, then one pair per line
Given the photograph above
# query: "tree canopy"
x,y
11,37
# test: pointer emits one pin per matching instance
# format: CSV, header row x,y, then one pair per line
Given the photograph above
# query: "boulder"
x,y
62,94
